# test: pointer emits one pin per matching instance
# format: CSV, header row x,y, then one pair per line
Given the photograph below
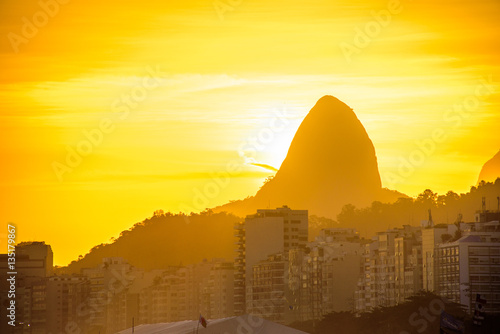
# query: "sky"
x,y
112,110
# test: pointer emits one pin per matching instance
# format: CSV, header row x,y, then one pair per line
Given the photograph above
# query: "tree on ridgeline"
x,y
408,211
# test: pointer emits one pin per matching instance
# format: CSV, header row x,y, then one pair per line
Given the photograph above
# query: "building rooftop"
x,y
241,324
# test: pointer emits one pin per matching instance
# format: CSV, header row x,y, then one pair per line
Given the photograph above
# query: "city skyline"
x,y
188,85
277,275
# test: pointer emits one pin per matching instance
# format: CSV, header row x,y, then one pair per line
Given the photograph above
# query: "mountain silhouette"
x,y
330,169
331,162
491,169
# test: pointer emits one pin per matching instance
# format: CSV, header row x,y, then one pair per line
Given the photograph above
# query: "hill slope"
x,y
409,211
490,170
166,240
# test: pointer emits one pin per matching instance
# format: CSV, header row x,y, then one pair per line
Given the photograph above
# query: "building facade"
x,y
269,231
470,266
391,269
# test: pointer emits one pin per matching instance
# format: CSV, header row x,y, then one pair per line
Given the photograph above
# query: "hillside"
x,y
444,208
166,239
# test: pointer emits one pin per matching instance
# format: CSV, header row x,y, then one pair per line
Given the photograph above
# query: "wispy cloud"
x,y
265,166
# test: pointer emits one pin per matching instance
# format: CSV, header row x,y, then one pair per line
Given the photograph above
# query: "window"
x,y
478,251
495,251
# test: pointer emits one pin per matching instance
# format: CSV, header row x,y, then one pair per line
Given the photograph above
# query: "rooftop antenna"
x,y
431,223
483,204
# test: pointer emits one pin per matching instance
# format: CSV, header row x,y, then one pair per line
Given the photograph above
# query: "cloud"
x,y
271,168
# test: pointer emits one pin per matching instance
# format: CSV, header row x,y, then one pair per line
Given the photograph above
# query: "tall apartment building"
x,y
391,269
218,294
46,303
107,282
431,236
307,282
34,263
365,290
162,299
323,276
31,300
183,293
124,308
413,273
143,288
457,261
66,298
268,298
40,257
408,266
260,235
470,266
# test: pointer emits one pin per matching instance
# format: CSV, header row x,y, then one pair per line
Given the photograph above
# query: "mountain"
x,y
330,169
331,162
491,169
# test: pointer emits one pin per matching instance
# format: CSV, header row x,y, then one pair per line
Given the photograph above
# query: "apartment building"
x,y
391,268
470,266
269,231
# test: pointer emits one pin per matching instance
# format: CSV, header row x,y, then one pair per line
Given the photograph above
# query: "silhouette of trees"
x,y
427,199
267,180
445,209
165,239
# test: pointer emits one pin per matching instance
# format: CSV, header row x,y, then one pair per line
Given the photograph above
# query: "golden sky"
x,y
162,97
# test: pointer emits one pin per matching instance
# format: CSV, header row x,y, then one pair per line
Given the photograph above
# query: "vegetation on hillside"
x,y
167,239
410,211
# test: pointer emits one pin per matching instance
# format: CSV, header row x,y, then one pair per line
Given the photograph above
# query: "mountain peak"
x,y
330,100
330,104
491,169
330,162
